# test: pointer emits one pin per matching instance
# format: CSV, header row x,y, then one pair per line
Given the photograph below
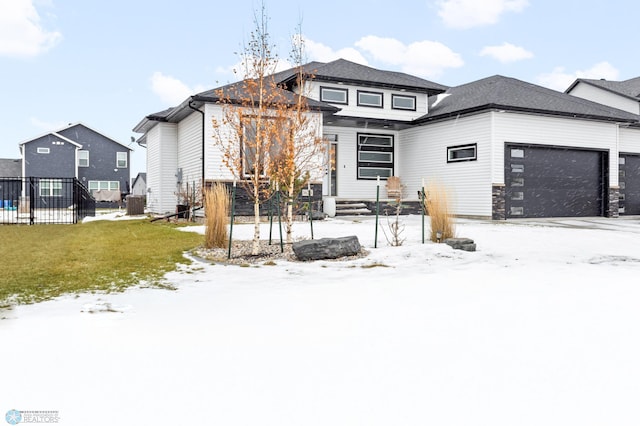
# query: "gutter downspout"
x,y
202,113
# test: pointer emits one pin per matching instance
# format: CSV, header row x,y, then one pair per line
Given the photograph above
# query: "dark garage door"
x,y
629,184
553,182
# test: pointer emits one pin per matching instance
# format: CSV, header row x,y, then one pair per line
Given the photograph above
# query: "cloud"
x,y
319,52
171,90
426,58
559,79
463,14
506,53
21,34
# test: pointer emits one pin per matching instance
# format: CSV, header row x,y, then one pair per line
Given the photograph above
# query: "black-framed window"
x,y
257,159
375,156
404,102
334,95
370,99
462,153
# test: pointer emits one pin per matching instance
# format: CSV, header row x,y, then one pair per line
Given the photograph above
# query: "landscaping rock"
x,y
465,244
326,248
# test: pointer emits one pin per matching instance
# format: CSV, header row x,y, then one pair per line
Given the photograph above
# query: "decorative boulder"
x,y
326,248
465,244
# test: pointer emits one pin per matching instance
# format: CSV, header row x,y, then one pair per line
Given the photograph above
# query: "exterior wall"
x,y
587,91
423,156
386,113
539,130
214,164
629,140
102,157
162,165
190,149
59,162
348,184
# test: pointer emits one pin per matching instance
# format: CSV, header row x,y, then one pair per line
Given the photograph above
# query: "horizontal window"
x,y
375,140
517,153
370,99
461,153
108,185
43,150
334,96
376,157
373,172
517,168
403,102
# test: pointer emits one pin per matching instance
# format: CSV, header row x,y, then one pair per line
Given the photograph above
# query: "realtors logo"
x,y
13,417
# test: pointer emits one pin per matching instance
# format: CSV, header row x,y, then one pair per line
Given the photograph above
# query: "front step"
x,y
347,208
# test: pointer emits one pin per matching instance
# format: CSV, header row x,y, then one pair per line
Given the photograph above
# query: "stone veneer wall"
x,y
614,202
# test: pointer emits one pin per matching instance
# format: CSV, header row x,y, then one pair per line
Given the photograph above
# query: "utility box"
x,y
135,205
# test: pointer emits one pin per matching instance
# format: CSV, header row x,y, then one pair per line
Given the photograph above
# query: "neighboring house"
x,y
139,185
10,184
10,168
503,147
77,151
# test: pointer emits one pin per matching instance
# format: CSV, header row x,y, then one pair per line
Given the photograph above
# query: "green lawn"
x,y
45,261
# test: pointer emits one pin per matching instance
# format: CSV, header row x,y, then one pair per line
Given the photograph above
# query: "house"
x,y
10,184
78,151
10,168
503,147
139,185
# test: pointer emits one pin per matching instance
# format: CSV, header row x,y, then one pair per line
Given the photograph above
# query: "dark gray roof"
x,y
345,71
507,93
10,168
628,88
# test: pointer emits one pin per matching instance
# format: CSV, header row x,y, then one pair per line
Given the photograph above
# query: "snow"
x,y
540,326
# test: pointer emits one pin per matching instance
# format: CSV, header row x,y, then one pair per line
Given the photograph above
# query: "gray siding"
x,y
59,162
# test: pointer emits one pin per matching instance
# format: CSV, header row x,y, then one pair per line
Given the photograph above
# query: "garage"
x,y
629,184
552,181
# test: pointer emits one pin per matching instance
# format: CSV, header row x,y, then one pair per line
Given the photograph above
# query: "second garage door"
x,y
553,181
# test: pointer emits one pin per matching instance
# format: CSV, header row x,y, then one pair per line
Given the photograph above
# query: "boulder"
x,y
465,244
326,248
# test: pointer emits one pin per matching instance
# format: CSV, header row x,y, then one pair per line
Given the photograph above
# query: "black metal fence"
x,y
36,200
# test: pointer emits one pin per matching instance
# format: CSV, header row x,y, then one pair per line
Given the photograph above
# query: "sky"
x,y
109,64
539,326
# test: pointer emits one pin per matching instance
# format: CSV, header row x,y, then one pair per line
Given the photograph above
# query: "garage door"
x,y
553,182
629,184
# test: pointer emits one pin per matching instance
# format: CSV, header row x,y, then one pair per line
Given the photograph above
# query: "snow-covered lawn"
x,y
540,326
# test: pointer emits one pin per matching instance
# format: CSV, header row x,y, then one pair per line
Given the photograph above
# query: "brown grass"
x,y
216,200
438,207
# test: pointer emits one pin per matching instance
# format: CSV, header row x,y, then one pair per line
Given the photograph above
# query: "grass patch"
x,y
44,261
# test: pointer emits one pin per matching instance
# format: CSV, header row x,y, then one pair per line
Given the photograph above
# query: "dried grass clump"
x,y
216,200
438,207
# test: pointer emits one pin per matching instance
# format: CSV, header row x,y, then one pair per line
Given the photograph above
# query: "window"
x,y
275,129
370,99
109,185
403,102
375,156
461,153
517,168
43,150
50,188
121,160
517,153
334,96
83,158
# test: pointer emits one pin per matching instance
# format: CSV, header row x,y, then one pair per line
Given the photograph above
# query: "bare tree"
x,y
266,134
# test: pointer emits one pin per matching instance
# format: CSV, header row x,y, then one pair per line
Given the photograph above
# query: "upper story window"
x,y
43,150
334,96
370,99
121,160
83,158
403,102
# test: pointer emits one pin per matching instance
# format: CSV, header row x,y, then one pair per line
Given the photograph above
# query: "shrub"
x,y
216,200
438,207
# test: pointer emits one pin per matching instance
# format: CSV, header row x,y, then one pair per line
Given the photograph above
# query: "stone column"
x,y
498,202
614,202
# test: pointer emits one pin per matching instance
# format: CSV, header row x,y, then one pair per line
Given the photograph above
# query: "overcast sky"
x,y
110,63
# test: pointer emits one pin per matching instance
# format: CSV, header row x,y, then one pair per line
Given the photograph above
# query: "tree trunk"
x,y
255,250
289,221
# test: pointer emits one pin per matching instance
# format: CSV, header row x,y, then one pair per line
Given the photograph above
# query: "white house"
x,y
504,148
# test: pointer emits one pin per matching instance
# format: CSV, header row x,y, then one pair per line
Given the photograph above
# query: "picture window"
x,y
462,153
370,99
403,102
334,96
